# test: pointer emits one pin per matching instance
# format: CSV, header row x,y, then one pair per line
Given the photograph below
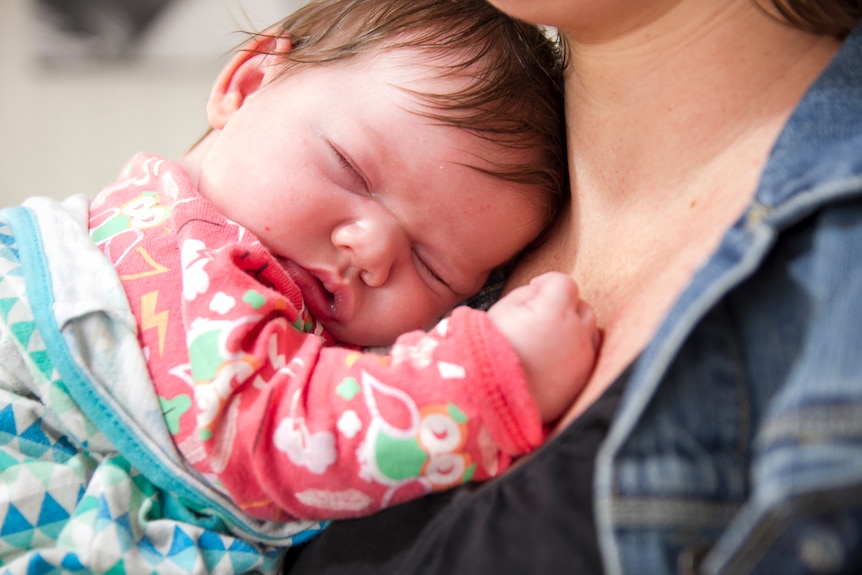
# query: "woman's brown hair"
x,y
832,17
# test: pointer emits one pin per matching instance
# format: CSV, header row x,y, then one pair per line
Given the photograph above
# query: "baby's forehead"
x,y
457,64
448,87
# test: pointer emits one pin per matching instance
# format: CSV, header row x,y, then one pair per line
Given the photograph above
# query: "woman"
x,y
715,148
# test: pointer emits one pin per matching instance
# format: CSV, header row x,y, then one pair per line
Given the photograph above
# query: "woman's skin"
x,y
672,109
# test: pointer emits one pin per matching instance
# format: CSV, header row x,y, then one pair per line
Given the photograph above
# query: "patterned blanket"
x,y
89,479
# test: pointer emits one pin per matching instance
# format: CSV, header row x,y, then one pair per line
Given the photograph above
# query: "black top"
x,y
538,518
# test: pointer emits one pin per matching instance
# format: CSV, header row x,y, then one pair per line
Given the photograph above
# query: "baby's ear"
x,y
253,66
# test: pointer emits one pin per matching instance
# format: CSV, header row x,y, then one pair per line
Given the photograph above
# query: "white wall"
x,y
67,131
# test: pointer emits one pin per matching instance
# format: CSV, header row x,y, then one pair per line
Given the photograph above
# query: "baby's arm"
x,y
311,431
554,333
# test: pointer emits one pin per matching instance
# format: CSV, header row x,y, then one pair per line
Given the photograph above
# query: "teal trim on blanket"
x,y
186,499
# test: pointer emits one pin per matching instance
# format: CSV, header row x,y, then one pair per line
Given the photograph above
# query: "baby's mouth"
x,y
325,299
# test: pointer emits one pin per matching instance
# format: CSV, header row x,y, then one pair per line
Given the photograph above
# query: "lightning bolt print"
x,y
150,319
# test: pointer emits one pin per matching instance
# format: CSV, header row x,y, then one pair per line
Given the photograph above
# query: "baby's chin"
x,y
353,336
370,340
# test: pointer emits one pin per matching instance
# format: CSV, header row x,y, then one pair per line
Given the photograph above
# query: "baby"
x,y
369,164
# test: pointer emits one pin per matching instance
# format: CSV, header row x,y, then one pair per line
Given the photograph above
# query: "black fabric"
x,y
538,518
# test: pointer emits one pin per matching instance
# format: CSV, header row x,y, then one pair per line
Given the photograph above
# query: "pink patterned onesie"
x,y
256,395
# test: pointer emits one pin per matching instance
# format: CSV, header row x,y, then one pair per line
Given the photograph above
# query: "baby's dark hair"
x,y
511,73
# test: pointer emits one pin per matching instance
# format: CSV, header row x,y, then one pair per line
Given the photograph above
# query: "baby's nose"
x,y
374,245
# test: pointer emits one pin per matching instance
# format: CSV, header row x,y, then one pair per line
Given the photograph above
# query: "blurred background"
x,y
85,84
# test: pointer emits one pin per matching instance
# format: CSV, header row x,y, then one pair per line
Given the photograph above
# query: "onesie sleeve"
x,y
349,433
292,428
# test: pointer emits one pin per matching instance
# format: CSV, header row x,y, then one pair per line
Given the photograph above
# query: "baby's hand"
x,y
554,333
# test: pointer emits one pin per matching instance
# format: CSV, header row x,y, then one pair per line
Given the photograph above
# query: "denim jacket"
x,y
738,444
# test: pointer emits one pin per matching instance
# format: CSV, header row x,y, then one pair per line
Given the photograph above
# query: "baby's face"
x,y
370,208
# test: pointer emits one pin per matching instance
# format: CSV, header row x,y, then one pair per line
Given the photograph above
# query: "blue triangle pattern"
x,y
17,272
183,552
150,553
33,441
123,529
7,420
124,524
180,543
212,549
51,511
211,541
43,362
6,459
14,523
240,546
52,517
211,559
6,305
10,254
6,437
36,434
23,331
53,530
103,514
20,540
186,560
243,562
63,449
72,563
243,556
39,566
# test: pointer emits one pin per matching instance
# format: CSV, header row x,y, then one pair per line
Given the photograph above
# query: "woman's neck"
x,y
681,90
670,125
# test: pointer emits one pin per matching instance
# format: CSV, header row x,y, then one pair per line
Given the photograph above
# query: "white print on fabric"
x,y
419,355
144,212
349,424
195,280
312,450
209,397
222,303
424,450
451,370
221,450
347,500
